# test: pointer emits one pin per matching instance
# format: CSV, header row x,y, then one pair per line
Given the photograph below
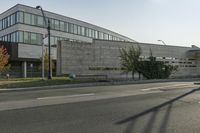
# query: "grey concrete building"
x,y
83,48
101,57
24,26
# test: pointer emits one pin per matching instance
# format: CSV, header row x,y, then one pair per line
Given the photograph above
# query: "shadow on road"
x,y
154,110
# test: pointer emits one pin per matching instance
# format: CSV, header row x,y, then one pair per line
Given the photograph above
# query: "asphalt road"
x,y
172,107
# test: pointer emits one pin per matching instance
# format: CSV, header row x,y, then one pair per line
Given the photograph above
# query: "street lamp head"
x,y
38,7
162,42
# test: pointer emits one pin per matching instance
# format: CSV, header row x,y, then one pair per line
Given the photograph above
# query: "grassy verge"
x,y
34,82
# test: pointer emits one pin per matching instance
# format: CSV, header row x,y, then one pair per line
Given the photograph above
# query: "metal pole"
x,y
49,45
49,74
43,59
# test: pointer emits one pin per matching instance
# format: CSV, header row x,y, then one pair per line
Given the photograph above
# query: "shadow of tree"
x,y
154,110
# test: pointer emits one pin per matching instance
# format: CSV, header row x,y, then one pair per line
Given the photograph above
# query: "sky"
x,y
176,22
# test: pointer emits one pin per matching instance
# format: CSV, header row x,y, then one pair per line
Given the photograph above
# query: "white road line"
x,y
155,88
69,96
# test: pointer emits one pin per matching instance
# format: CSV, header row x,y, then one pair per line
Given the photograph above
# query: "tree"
x,y
3,59
152,69
130,59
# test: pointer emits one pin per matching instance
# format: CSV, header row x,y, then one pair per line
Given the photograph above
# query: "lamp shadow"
x,y
154,111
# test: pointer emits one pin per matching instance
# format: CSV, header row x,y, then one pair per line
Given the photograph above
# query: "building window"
x,y
33,19
57,26
110,37
33,38
39,39
0,24
36,38
93,33
71,28
26,37
100,35
90,32
79,30
3,26
56,40
96,34
17,36
5,38
83,31
13,37
66,27
52,23
75,29
52,40
3,21
9,38
8,21
62,26
20,17
12,19
20,36
40,21
105,36
27,18
86,32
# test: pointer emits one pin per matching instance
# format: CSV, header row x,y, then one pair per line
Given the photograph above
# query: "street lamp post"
x,y
47,23
162,42
43,58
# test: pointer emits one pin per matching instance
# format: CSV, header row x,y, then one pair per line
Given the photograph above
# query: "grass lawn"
x,y
33,82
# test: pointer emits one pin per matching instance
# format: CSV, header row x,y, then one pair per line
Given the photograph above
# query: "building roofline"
x,y
143,43
69,18
9,9
164,45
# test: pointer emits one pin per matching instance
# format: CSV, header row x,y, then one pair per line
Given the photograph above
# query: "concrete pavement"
x,y
140,113
18,100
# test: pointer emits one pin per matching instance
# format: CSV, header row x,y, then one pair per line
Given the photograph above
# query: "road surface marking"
x,y
69,96
155,88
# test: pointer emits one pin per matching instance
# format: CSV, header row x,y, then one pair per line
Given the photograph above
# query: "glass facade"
x,y
29,38
23,37
36,20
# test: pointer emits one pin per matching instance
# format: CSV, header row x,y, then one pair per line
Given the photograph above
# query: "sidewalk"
x,y
98,84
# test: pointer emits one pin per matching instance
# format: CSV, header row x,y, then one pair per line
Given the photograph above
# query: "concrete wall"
x,y
87,58
27,51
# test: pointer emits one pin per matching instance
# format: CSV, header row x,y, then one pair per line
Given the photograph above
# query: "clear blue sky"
x,y
177,22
